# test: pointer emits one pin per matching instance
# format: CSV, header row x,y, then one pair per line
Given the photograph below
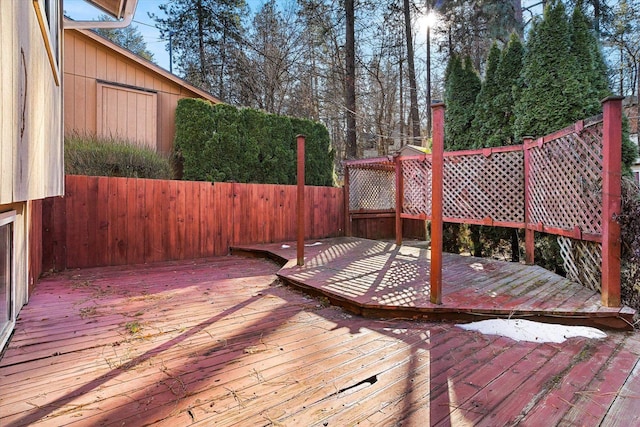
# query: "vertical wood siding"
x,y
88,64
30,109
113,221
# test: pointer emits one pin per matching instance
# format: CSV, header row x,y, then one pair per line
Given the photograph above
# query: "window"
x,y
48,13
7,276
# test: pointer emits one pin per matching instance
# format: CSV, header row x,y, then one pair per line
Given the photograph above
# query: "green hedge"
x,y
95,156
224,143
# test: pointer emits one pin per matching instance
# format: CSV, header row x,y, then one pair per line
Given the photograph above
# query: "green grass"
x,y
95,156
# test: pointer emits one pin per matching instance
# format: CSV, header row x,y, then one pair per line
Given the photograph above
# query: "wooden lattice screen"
x,y
564,196
480,186
564,190
416,175
485,186
372,186
554,184
582,261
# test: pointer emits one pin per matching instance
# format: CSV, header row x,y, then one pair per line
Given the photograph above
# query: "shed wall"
x,y
89,64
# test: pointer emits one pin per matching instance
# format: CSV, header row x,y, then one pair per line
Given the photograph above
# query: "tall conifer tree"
x,y
592,70
553,96
462,86
509,90
486,121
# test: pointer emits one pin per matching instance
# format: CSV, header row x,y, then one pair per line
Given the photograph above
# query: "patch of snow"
x,y
314,244
285,246
477,266
526,330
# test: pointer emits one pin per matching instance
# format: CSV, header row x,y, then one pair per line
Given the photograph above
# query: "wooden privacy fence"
x,y
566,183
110,221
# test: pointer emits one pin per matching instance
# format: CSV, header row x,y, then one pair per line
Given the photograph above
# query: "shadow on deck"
x,y
380,279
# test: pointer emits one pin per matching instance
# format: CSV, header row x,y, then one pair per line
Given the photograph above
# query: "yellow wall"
x,y
31,152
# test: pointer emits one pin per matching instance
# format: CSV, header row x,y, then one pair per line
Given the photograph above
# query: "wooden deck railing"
x,y
110,221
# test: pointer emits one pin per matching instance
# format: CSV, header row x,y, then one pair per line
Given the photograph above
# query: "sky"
x,y
81,10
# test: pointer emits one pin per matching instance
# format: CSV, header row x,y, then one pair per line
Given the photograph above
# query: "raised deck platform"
x,y
379,279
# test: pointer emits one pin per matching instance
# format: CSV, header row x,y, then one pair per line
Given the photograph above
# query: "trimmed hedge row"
x,y
224,143
112,156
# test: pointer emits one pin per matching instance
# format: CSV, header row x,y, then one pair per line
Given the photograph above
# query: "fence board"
x,y
103,221
35,243
135,231
110,221
150,218
170,221
76,230
188,202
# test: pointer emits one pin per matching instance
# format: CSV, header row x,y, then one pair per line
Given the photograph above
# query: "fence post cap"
x,y
612,98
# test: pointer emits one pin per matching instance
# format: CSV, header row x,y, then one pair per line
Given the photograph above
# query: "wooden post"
x,y
437,180
529,234
611,199
300,178
347,217
399,198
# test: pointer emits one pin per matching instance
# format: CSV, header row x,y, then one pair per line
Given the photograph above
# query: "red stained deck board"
x,y
200,373
434,399
573,379
430,396
412,386
336,376
517,396
381,278
592,404
267,381
624,409
424,380
229,345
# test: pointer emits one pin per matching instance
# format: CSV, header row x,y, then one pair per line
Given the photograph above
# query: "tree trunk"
x,y
517,11
415,116
201,51
515,246
596,17
401,95
350,68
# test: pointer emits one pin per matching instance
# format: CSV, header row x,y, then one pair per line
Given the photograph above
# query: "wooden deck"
x,y
220,341
379,279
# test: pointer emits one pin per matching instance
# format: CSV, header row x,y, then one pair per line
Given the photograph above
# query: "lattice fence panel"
x,y
565,179
477,187
372,189
582,261
416,175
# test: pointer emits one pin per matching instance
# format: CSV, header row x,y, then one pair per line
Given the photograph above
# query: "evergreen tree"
x,y
205,36
462,86
552,97
493,125
592,70
128,37
461,90
509,89
486,121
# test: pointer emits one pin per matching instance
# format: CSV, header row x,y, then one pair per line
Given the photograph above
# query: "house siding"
x,y
30,109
